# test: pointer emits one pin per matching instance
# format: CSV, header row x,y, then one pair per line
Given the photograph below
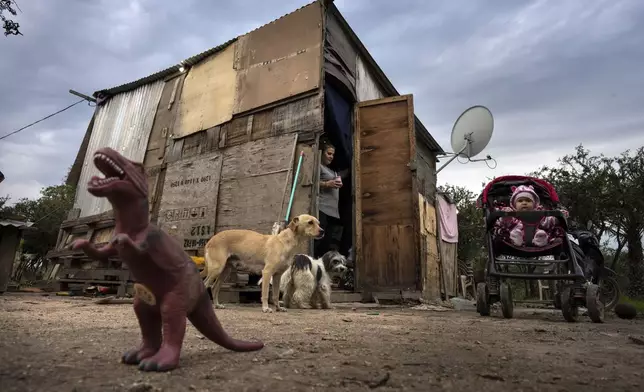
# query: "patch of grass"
x,y
637,303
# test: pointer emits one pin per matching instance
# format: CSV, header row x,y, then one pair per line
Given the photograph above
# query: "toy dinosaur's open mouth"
x,y
112,171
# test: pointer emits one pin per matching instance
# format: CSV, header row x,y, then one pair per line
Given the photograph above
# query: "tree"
x,y
609,192
10,27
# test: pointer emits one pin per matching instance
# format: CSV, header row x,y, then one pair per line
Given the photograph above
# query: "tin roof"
x,y
421,131
15,223
190,61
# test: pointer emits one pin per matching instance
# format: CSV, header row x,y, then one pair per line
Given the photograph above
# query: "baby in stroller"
x,y
511,229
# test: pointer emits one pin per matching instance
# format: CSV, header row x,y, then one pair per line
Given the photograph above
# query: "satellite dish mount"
x,y
471,133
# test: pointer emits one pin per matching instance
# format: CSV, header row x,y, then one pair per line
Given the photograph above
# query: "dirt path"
x,y
49,343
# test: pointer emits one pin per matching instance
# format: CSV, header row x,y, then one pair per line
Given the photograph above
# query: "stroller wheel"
x,y
507,305
594,303
569,308
557,301
482,299
610,294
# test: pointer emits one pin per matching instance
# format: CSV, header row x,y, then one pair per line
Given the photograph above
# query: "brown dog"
x,y
257,253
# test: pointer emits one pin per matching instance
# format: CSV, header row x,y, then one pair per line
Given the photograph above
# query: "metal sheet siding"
x,y
124,123
366,86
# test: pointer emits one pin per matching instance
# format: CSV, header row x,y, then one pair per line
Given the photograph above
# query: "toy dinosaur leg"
x,y
173,314
150,324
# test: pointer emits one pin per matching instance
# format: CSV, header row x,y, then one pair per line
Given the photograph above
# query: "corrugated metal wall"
x,y
123,123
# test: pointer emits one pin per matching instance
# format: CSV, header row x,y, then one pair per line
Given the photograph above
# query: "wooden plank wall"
x,y
252,183
431,269
256,154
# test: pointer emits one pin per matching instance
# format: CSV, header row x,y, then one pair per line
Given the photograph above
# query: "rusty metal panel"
x,y
164,121
208,94
366,86
279,60
188,207
124,123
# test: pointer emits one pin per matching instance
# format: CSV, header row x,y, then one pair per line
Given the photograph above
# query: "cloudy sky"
x,y
554,73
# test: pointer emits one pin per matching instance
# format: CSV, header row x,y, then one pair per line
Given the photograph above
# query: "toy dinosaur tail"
x,y
205,320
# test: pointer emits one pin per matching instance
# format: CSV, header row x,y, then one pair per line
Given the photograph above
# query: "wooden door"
x,y
386,214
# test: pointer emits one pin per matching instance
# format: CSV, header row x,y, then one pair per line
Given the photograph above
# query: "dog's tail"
x,y
301,262
205,320
204,272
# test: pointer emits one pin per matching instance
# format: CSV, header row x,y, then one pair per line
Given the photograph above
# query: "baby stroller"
x,y
572,288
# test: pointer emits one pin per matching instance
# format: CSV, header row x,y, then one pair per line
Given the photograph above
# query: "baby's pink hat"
x,y
524,191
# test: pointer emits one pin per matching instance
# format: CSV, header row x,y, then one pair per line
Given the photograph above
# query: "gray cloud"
x,y
554,74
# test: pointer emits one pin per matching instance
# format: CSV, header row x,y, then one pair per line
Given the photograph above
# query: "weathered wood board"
x,y
208,94
279,60
252,183
430,259
449,268
289,34
386,221
188,206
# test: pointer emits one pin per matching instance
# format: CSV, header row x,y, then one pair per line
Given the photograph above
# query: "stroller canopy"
x,y
500,189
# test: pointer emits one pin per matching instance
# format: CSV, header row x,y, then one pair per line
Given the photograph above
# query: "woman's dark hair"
x,y
326,143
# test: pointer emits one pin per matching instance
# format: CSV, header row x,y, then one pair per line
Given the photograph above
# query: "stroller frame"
x,y
572,288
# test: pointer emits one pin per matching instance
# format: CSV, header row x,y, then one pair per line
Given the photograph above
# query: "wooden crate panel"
x,y
258,157
188,208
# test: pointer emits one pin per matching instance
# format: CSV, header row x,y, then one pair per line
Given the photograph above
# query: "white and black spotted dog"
x,y
307,282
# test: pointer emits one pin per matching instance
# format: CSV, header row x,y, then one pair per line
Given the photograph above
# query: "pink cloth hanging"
x,y
448,220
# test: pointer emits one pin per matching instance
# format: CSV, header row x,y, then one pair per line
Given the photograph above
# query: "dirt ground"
x,y
66,344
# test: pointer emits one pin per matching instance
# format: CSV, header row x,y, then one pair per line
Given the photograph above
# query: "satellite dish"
x,y
472,131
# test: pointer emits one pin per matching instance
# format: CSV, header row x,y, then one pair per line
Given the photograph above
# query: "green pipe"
x,y
297,174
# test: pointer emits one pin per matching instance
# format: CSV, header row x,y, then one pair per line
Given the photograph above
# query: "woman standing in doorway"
x,y
329,216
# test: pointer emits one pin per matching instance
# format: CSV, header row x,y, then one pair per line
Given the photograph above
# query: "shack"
x,y
11,229
219,134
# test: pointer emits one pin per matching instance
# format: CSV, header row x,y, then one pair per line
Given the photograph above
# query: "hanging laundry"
x,y
448,220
